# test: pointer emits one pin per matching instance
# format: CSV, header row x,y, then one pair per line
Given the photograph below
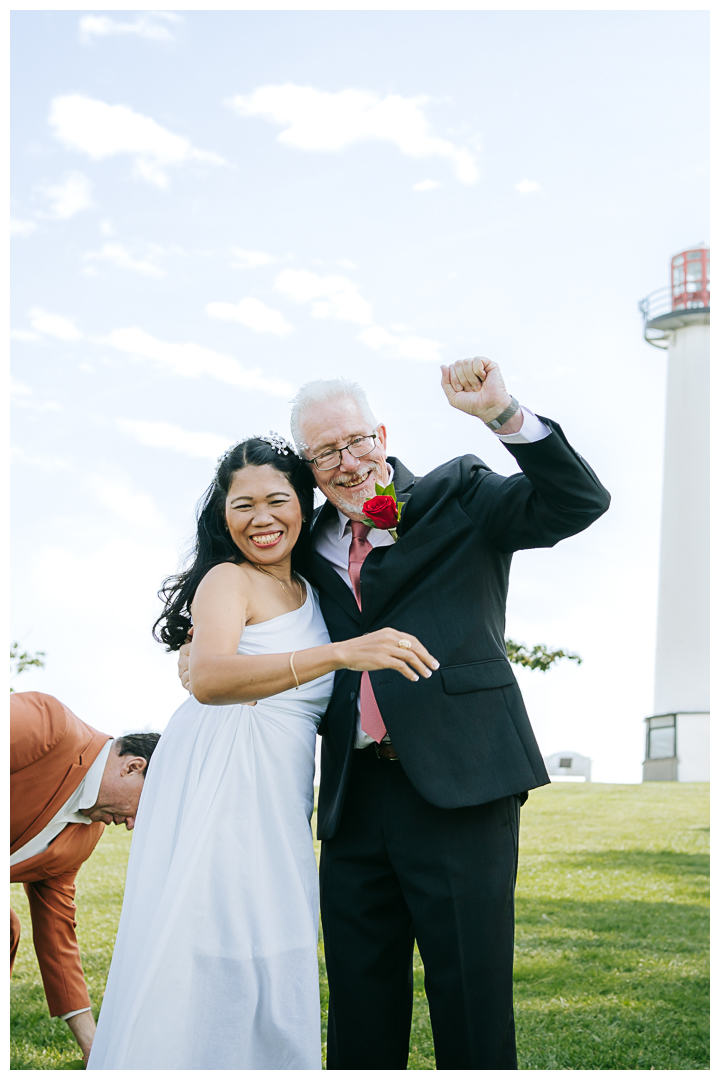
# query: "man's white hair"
x,y
319,392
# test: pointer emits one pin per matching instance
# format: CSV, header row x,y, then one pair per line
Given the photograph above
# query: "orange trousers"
x,y
14,937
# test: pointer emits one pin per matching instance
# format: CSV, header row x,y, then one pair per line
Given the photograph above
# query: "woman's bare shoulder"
x,y
226,575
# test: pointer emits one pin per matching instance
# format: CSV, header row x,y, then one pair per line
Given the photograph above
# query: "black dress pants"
x,y
400,870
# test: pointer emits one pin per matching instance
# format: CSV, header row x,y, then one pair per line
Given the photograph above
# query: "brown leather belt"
x,y
386,750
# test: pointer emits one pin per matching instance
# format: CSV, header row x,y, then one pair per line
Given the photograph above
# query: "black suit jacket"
x,y
463,735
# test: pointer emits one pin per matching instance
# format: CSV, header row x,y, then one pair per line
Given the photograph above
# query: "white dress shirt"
x,y
333,543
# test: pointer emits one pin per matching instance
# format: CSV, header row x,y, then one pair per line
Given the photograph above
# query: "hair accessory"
x,y
279,445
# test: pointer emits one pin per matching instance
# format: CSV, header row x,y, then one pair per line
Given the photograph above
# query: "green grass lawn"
x,y
611,961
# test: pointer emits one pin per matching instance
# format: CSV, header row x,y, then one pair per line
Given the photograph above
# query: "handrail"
x,y
661,302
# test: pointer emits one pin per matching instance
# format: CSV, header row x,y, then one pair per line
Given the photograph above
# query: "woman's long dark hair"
x,y
214,544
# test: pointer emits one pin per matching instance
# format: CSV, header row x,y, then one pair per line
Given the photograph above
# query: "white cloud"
x,y
75,586
426,185
53,325
318,120
118,255
23,396
120,496
24,335
67,593
332,296
190,361
336,297
41,461
68,197
106,227
252,313
150,24
248,260
407,347
195,444
35,406
102,131
21,228
528,187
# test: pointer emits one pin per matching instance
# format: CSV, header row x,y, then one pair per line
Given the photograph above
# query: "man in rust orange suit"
x,y
67,781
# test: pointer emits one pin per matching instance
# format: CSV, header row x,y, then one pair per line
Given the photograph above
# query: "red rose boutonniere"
x,y
383,512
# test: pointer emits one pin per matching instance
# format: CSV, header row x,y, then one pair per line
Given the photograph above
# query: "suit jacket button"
x,y
353,695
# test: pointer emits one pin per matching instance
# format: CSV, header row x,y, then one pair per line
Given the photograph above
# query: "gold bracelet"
x,y
292,668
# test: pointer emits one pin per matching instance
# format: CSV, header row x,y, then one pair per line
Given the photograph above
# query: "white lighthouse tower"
x,y
677,319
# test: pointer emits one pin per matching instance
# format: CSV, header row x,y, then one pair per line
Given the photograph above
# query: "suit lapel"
x,y
72,780
327,577
385,569
330,581
404,482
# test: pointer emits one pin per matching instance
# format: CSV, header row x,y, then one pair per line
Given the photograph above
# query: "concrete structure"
x,y
568,764
677,319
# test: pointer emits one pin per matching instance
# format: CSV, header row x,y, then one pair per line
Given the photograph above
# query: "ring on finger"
x,y
404,643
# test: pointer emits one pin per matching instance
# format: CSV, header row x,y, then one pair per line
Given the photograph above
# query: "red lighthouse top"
x,y
690,277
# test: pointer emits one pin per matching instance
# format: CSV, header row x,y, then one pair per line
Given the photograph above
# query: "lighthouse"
x,y
677,320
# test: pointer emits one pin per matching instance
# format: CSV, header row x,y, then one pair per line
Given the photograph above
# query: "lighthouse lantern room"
x,y
691,279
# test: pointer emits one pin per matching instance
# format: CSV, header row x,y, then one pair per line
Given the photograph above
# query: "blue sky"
x,y
210,209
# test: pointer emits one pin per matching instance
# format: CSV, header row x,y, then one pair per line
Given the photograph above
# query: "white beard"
x,y
343,497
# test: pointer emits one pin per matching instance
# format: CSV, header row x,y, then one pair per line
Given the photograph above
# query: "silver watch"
x,y
504,416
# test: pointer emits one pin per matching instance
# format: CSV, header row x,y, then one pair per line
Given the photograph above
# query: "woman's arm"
x,y
218,676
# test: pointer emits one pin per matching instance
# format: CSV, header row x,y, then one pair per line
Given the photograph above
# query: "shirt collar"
x,y
344,521
87,793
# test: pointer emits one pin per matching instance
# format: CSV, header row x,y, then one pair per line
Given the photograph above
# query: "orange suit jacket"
x,y
51,751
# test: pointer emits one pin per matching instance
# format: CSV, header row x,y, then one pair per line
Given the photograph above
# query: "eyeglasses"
x,y
330,459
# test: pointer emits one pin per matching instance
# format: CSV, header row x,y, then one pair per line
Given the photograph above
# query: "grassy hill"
x,y
611,967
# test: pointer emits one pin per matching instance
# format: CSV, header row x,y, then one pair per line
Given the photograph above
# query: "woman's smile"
x,y
266,539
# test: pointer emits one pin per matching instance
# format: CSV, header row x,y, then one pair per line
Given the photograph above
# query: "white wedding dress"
x,y
215,962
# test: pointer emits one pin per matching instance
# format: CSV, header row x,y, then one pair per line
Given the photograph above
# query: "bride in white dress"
x,y
215,961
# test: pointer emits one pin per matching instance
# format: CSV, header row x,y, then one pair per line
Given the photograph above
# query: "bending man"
x,y
67,781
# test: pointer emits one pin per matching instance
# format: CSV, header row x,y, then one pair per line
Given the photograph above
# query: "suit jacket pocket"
x,y
482,675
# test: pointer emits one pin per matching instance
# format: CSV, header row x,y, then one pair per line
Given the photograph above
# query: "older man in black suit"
x,y
422,782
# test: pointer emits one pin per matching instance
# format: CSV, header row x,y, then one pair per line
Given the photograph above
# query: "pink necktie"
x,y
370,719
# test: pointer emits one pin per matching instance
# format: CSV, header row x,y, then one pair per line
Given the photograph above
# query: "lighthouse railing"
x,y
666,301
663,302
